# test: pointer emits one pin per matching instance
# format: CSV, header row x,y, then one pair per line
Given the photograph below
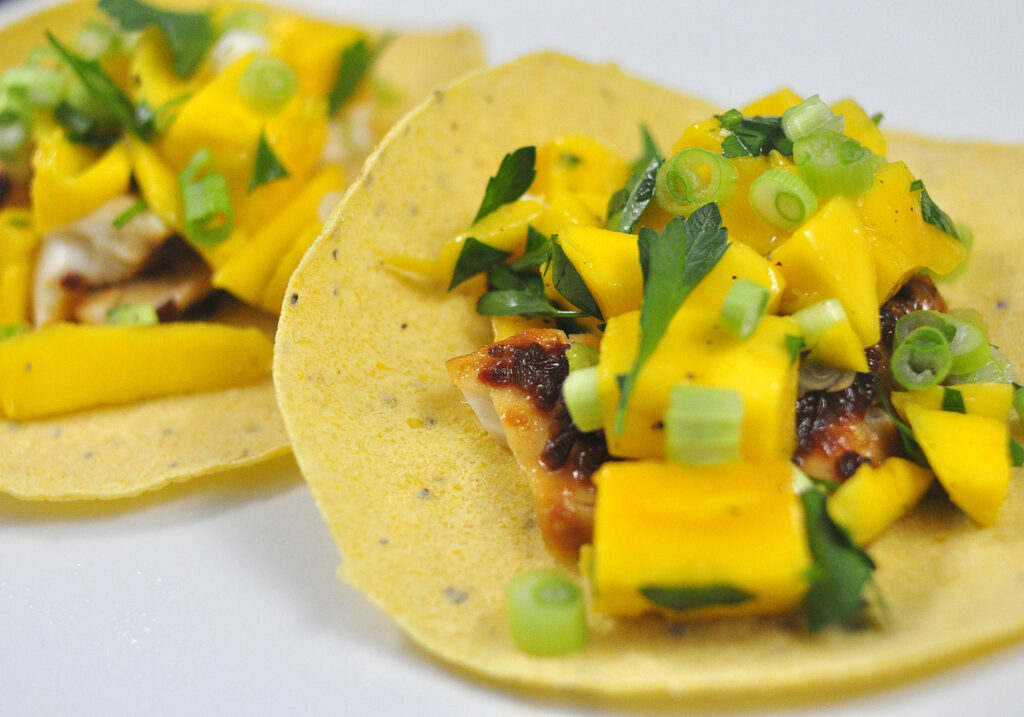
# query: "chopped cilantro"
x,y
795,346
512,302
673,263
910,444
626,206
689,597
475,257
931,211
650,150
840,572
355,63
267,167
569,159
189,34
953,400
514,177
877,118
570,284
1016,454
753,136
537,252
84,129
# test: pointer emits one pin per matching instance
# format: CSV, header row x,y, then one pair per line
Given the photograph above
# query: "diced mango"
x,y
506,326
829,257
706,134
18,241
312,48
774,104
68,367
969,456
579,164
565,209
157,182
152,67
737,526
901,241
840,346
859,126
609,264
694,351
874,498
980,399
739,262
738,214
70,180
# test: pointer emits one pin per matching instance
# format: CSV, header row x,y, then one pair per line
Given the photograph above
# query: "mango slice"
x,y
874,498
980,399
18,241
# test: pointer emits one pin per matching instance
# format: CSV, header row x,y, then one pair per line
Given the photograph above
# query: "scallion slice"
x,y
581,356
247,19
782,199
969,346
703,425
816,319
833,164
1018,404
694,177
95,40
133,315
546,613
810,115
267,84
40,86
209,216
922,360
909,323
582,398
743,308
998,369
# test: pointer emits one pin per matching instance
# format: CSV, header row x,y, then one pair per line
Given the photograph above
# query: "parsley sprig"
x,y
753,136
931,211
673,263
267,167
513,178
627,205
189,34
356,61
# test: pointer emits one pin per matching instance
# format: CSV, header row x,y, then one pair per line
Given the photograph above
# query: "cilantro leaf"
x,y
85,129
689,597
268,167
513,302
628,204
673,263
189,34
910,444
537,252
953,400
931,211
570,284
134,118
650,150
514,177
841,569
356,60
475,257
795,345
753,136
1016,454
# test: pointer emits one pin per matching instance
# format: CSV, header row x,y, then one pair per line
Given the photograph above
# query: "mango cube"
x,y
980,399
874,498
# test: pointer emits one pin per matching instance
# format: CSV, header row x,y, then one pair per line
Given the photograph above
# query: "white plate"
x,y
219,596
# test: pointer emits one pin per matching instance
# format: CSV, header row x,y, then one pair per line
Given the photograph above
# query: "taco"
x,y
434,518
162,173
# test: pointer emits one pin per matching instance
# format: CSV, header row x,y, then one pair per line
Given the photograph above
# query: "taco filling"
x,y
727,369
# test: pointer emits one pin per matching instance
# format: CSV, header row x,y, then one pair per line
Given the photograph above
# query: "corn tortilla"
x,y
433,517
122,451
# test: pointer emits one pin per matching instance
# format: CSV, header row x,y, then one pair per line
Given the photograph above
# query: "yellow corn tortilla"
x,y
433,517
122,451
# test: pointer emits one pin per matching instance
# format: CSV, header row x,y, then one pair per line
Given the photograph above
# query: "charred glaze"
x,y
537,369
568,446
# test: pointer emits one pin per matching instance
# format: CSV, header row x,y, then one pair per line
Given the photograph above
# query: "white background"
x,y
219,596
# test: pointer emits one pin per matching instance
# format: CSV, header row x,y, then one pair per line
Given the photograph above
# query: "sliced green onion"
x,y
40,86
703,425
816,319
743,308
209,216
1018,404
130,213
133,315
247,19
909,323
694,177
267,84
96,40
922,360
582,399
810,115
998,369
581,356
546,613
15,115
833,164
782,199
969,346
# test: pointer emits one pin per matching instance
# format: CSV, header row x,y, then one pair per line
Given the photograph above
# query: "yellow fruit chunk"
x,y
609,264
68,367
157,182
18,242
312,48
980,399
70,180
579,164
829,257
969,457
901,240
566,209
739,262
247,273
874,498
273,294
152,68
694,351
707,135
506,326
840,346
774,104
738,526
859,126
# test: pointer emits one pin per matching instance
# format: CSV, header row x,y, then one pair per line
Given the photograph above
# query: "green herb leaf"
x,y
673,263
795,346
9,330
690,597
519,303
128,214
628,204
931,211
267,167
841,569
877,118
209,214
910,444
953,400
189,34
650,150
475,257
570,284
356,60
503,278
84,129
514,177
569,159
106,92
1016,452
537,252
132,315
753,136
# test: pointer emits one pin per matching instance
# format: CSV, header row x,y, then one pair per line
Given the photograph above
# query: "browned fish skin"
x,y
535,367
918,294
